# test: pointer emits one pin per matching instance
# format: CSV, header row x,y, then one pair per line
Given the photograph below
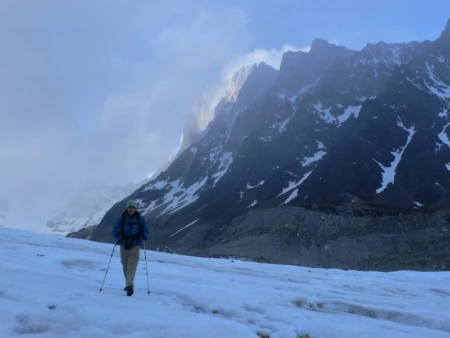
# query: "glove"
x,y
138,236
142,237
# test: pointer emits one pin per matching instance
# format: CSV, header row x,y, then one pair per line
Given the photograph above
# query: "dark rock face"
x,y
374,240
300,69
359,138
85,233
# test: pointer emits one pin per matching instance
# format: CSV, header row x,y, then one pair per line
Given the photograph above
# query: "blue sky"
x,y
100,90
350,23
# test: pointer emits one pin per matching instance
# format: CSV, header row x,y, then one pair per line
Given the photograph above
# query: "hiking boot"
x,y
130,291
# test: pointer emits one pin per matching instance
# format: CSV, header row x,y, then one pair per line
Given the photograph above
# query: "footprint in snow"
x,y
25,324
82,264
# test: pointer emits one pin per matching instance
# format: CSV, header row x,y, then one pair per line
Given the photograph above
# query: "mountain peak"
x,y
301,69
318,45
445,35
258,80
246,74
443,42
240,76
323,47
237,81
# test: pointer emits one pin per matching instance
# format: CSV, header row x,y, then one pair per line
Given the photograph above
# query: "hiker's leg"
x,y
124,255
133,261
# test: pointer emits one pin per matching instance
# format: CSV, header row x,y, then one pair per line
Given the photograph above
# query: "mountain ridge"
x,y
333,131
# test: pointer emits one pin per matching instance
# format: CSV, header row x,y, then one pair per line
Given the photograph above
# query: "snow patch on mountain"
x,y
325,113
293,185
145,208
265,138
158,185
282,125
225,161
316,157
439,58
177,197
390,171
284,96
214,154
320,145
444,113
249,186
437,86
432,84
443,135
364,98
183,228
253,204
349,111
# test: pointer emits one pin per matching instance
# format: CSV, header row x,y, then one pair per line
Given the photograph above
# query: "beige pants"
x,y
130,261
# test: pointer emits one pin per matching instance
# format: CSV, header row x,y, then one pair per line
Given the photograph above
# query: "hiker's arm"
x,y
117,232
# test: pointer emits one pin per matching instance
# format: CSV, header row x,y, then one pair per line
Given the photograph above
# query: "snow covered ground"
x,y
50,287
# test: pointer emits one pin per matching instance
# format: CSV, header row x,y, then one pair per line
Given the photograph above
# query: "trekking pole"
x,y
146,269
107,268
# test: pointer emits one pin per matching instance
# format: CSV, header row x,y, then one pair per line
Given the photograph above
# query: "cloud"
x,y
144,124
100,91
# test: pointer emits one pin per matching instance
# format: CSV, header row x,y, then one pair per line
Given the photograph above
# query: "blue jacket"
x,y
131,233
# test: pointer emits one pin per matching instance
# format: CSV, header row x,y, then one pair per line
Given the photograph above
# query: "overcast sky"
x,y
99,90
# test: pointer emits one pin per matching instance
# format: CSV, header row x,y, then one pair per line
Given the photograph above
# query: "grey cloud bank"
x,y
99,91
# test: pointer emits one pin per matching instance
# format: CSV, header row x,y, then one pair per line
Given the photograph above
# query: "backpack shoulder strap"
x,y
138,219
123,220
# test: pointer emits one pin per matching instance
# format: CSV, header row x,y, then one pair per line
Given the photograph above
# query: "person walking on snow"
x,y
130,230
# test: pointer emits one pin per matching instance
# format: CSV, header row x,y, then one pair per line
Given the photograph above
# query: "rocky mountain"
x,y
339,159
88,206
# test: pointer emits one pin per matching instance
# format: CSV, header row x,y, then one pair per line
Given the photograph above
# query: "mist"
x,y
98,91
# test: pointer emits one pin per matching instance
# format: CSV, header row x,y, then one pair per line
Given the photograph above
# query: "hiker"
x,y
130,230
